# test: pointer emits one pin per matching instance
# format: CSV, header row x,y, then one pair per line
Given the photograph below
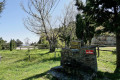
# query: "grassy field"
x,y
18,65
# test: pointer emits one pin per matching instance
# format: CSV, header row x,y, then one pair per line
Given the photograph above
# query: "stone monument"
x,y
77,63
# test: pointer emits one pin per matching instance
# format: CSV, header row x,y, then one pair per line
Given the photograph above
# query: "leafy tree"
x,y
2,5
2,44
18,43
44,40
107,14
14,44
1,9
65,38
33,44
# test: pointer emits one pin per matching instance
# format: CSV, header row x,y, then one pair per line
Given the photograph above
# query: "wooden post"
x,y
29,57
55,55
28,48
20,47
29,54
34,47
98,51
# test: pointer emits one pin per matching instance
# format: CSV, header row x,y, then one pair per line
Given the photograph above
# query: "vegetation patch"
x,y
16,65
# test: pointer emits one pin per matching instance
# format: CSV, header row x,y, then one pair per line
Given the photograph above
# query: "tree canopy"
x,y
2,5
107,14
103,12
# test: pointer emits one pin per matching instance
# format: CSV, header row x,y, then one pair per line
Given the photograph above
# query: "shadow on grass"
x,y
27,58
114,52
43,53
107,76
47,53
53,59
41,75
33,61
36,76
33,57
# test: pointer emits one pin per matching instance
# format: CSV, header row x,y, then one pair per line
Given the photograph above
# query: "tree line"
x,y
4,45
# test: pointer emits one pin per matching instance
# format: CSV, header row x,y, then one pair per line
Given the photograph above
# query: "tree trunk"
x,y
118,53
65,44
89,42
98,50
52,46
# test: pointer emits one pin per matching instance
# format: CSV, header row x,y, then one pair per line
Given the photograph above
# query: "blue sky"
x,y
11,21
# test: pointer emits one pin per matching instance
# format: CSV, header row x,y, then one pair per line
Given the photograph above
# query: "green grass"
x,y
107,64
16,65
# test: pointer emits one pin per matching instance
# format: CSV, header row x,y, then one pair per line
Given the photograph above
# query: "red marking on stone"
x,y
89,52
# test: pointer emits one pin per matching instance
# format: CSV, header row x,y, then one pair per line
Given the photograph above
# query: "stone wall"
x,y
77,62
104,40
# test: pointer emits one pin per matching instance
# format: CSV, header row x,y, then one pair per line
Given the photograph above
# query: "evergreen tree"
x,y
0,46
84,31
11,45
79,27
107,14
2,43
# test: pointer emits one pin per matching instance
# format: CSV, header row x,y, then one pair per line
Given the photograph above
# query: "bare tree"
x,y
27,41
68,23
39,19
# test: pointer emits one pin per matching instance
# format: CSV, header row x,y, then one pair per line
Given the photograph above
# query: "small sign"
x,y
89,52
75,44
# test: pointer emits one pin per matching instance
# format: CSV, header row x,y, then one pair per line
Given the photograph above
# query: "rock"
x,y
60,74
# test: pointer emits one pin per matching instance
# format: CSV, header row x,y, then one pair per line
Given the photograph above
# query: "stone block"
x,y
79,63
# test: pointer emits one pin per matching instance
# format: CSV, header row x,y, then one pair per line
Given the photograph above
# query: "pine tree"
x,y
79,27
11,45
84,31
